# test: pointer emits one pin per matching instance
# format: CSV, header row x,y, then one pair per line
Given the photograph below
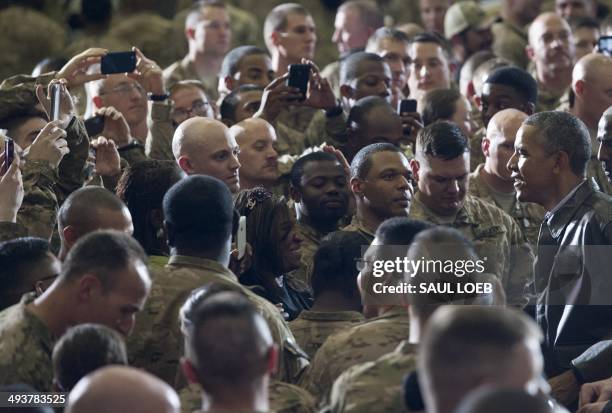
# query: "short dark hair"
x,y
142,187
195,11
518,79
199,296
369,12
362,108
17,259
432,37
103,253
579,22
228,342
439,104
335,263
297,170
442,140
83,349
77,208
15,118
349,67
276,20
234,57
362,162
228,106
198,212
562,131
400,230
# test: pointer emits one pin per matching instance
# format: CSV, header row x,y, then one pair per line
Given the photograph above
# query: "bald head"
x,y
119,388
541,23
88,209
498,145
592,85
205,146
551,46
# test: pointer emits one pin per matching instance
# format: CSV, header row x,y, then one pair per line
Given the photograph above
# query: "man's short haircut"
x,y
439,104
369,12
277,19
187,84
200,211
443,140
471,64
335,264
230,102
580,22
364,106
232,60
386,33
482,72
297,170
400,230
16,118
78,209
464,346
197,297
518,79
562,131
362,162
229,342
83,349
432,37
350,66
102,253
196,11
18,257
503,400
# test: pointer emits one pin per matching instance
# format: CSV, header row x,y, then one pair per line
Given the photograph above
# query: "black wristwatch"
x,y
157,98
335,111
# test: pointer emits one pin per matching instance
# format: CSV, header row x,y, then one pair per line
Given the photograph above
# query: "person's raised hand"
x,y
116,127
148,73
320,94
11,190
50,145
66,108
75,71
276,96
107,159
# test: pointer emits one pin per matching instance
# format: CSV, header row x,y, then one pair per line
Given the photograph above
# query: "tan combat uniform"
x,y
509,42
11,230
312,328
157,341
25,348
375,386
528,216
284,398
363,342
476,155
311,240
184,69
357,226
498,241
161,131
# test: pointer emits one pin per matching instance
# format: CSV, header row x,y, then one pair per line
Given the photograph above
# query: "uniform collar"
x,y
560,216
202,264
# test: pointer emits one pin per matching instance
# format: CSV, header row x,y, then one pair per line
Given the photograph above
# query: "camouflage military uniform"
x,y
11,230
312,328
363,342
311,239
27,38
184,69
161,131
38,211
319,129
284,398
375,385
528,216
509,42
357,226
550,100
498,240
476,155
25,347
331,72
157,341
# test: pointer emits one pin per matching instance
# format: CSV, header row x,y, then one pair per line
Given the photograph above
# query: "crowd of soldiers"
x,y
216,243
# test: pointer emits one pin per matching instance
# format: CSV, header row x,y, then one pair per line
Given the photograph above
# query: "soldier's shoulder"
x,y
21,337
487,213
285,397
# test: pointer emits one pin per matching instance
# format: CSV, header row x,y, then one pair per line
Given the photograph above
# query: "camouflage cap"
x,y
464,15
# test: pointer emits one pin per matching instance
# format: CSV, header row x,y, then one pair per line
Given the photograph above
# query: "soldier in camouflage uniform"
x,y
157,342
337,303
381,184
27,333
499,145
319,188
552,70
441,169
203,61
505,87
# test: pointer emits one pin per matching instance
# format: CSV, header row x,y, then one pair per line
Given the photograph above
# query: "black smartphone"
x,y
406,106
9,154
299,75
119,62
94,125
604,45
55,101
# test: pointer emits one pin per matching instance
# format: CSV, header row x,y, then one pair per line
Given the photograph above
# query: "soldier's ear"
x,y
229,82
357,186
273,359
190,33
295,194
415,167
346,91
70,235
97,100
189,371
89,286
185,164
529,52
485,146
